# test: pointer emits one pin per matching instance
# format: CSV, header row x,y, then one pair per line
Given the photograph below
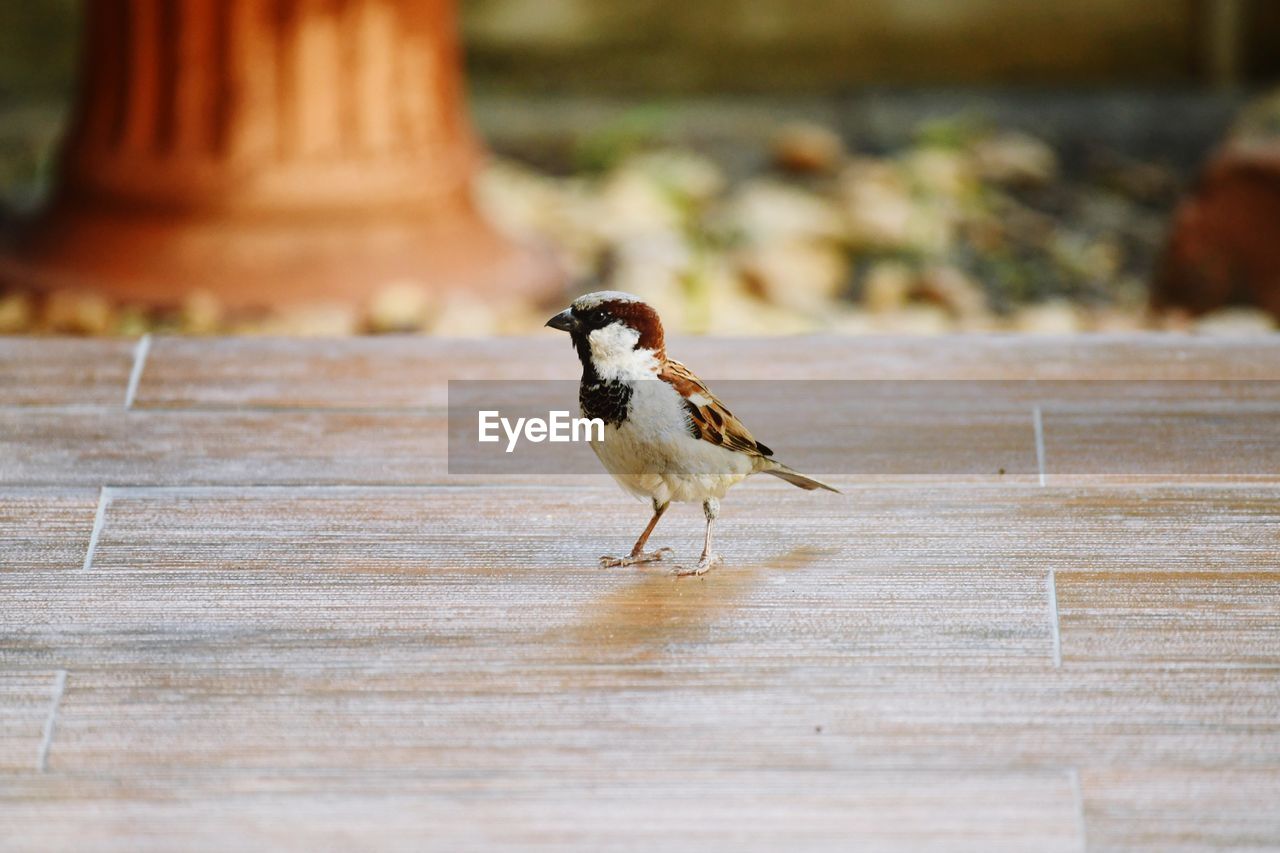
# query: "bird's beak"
x,y
564,321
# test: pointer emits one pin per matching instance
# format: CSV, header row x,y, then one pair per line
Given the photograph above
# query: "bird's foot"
x,y
636,559
706,564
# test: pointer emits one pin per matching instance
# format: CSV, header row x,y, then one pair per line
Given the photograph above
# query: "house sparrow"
x,y
666,436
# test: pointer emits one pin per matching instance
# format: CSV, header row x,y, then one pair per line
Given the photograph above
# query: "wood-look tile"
x,y
1227,619
26,699
904,432
1197,444
1179,810
1136,528
293,640
96,447
878,574
102,447
534,529
45,528
383,373
64,371
412,372
590,809
195,618
426,573
507,713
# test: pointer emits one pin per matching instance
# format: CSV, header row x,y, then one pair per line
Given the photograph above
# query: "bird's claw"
x,y
706,564
636,559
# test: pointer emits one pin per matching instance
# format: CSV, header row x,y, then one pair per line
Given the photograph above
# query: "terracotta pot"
x,y
1224,248
270,152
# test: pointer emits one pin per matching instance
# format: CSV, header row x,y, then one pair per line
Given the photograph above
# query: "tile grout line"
x,y
1053,619
46,737
1052,583
1039,425
99,518
135,375
1077,794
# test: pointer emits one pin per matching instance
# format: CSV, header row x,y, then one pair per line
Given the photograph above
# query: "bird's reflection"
x,y
659,617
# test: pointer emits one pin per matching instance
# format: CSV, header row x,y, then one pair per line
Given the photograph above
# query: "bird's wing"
x,y
709,419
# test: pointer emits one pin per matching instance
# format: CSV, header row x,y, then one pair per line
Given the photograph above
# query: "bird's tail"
x,y
795,478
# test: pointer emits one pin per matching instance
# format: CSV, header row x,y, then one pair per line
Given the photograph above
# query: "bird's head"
x,y
617,335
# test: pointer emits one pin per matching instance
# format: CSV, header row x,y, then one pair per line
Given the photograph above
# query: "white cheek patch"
x,y
614,353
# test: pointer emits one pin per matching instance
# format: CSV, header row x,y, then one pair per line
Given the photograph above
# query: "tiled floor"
x,y
243,604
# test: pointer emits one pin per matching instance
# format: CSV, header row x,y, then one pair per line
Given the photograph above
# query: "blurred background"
x,y
749,166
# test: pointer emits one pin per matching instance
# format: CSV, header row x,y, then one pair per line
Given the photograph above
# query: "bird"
x,y
666,436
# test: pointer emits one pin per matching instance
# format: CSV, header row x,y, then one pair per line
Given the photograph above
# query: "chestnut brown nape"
x,y
644,320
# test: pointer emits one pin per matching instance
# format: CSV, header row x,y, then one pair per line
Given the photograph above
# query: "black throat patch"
x,y
607,400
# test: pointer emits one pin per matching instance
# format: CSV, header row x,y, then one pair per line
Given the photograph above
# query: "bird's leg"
x,y
638,554
708,561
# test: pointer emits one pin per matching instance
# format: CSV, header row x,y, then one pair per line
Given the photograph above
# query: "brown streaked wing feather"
x,y
712,421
